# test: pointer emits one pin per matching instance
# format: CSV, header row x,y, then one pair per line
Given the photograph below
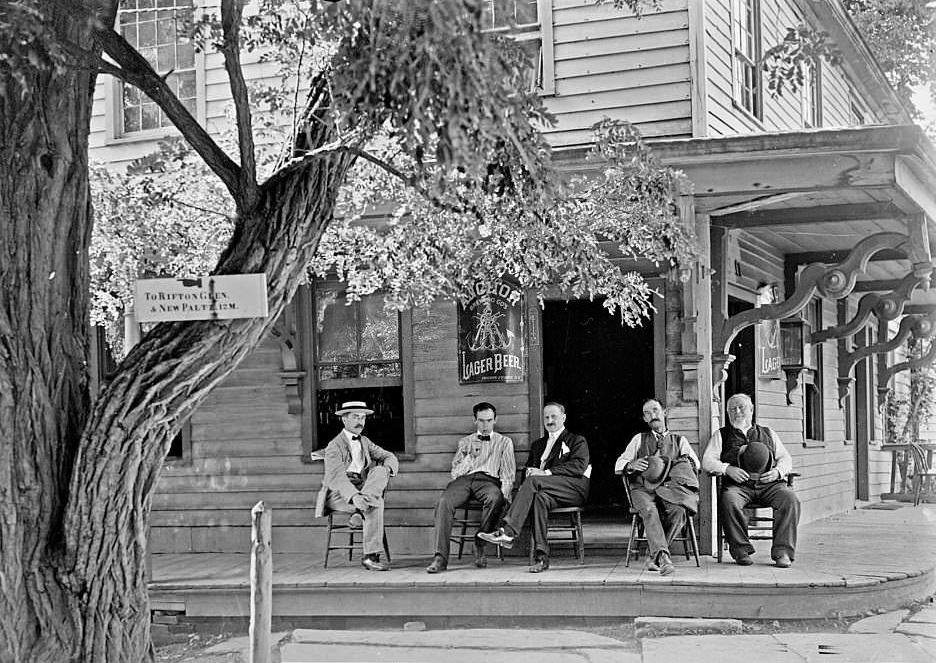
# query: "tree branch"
x,y
138,72
231,13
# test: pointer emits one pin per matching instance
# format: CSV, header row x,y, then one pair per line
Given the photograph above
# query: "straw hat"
x,y
348,407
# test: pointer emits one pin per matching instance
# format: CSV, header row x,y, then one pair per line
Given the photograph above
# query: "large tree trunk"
x,y
44,234
76,486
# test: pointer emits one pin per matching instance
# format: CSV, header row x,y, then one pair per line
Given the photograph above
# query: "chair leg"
x,y
631,538
690,526
580,537
328,535
386,546
533,543
462,533
351,544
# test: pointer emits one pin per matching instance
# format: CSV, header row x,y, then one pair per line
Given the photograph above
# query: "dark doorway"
x,y
601,370
741,370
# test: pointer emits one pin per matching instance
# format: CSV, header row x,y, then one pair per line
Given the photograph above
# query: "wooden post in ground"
x,y
261,582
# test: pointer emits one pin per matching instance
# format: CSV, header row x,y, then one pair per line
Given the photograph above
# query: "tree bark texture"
x,y
76,478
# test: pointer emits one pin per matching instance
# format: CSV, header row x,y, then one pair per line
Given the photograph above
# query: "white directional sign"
x,y
206,298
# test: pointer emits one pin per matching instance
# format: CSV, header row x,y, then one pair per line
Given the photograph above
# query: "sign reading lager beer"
x,y
769,350
490,335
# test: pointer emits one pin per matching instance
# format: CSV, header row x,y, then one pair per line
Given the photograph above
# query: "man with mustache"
x,y
557,475
356,474
666,500
755,465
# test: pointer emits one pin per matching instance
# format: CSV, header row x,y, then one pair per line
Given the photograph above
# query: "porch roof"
x,y
814,194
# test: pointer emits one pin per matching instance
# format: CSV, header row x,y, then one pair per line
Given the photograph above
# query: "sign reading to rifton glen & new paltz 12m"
x,y
490,335
207,298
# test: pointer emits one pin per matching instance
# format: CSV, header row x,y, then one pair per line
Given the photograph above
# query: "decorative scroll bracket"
x,y
885,307
834,282
921,326
689,365
792,381
284,330
925,360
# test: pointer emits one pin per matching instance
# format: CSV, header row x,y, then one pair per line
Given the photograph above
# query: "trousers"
x,y
482,487
780,497
373,485
649,507
541,494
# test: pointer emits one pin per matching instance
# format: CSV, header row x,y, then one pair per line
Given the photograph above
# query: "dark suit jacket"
x,y
568,457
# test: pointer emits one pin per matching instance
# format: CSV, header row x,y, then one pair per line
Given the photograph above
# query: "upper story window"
x,y
746,47
811,96
530,23
157,29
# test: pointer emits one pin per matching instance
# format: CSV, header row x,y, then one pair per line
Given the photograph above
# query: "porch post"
x,y
707,406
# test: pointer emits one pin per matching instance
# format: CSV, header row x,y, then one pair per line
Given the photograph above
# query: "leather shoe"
x,y
499,538
356,521
783,561
438,565
665,562
743,560
651,565
540,565
373,563
480,558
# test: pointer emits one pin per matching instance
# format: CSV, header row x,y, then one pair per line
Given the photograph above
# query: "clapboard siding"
x,y
611,64
779,112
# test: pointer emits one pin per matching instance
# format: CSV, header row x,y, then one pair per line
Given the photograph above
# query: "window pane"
x,y
150,116
380,330
335,328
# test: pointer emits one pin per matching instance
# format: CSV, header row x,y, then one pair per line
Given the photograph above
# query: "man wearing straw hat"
x,y
356,474
664,485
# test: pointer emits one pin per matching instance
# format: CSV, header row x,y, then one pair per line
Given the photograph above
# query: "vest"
x,y
733,440
681,470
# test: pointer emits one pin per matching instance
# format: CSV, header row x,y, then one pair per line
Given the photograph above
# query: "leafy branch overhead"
x,y
445,132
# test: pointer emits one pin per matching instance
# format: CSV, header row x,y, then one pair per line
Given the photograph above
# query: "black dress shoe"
x,y
438,565
373,563
743,560
540,565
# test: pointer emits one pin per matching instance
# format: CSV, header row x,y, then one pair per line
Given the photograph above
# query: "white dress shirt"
x,y
357,452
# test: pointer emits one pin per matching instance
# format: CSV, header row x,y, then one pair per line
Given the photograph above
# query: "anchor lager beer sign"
x,y
490,335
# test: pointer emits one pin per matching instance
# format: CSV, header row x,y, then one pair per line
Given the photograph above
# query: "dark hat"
x,y
353,406
755,458
658,468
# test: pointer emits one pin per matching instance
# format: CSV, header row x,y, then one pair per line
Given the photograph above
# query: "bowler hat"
x,y
755,458
354,406
658,468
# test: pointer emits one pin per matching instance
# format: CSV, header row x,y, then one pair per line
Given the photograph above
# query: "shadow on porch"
x,y
872,558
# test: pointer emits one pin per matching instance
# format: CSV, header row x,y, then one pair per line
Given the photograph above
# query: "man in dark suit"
x,y
557,475
356,474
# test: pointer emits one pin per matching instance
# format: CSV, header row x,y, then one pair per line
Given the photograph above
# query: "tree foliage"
x,y
900,34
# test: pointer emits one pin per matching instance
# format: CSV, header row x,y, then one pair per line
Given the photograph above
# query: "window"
x,y
813,379
745,36
180,450
157,29
358,355
811,96
523,20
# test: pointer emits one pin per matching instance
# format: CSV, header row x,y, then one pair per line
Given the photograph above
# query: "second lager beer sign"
x,y
490,335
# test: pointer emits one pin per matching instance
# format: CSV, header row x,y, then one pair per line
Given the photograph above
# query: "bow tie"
x,y
355,437
484,438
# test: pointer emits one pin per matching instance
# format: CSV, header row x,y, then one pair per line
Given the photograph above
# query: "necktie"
x,y
356,437
484,438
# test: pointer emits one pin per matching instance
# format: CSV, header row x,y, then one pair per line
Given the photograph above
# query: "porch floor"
x,y
871,558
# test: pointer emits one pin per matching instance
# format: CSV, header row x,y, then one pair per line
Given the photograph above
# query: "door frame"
x,y
535,343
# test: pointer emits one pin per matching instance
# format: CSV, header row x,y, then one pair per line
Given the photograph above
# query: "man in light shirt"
x,y
557,475
755,465
484,469
356,474
663,502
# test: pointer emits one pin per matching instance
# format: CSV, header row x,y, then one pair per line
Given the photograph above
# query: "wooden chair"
x,y
573,527
759,524
923,474
687,537
464,527
355,538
